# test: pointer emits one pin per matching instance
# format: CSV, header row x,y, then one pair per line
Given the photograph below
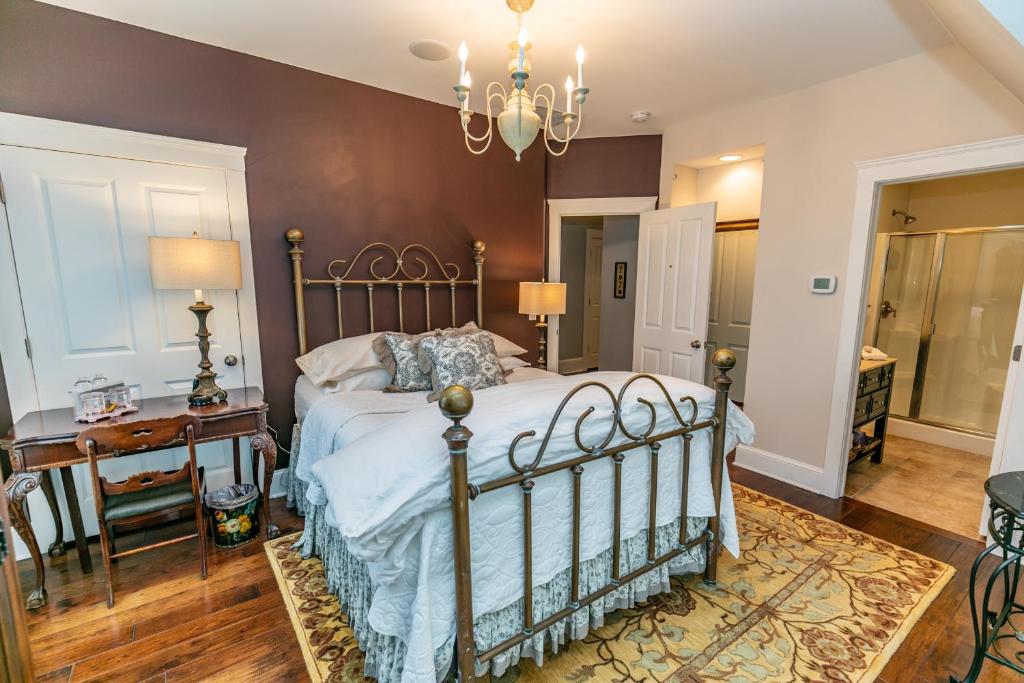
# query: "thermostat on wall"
x,y
822,284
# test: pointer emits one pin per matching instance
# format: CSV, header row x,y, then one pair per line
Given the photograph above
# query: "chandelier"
x,y
519,122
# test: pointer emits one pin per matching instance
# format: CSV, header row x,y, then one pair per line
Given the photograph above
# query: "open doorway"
x,y
942,307
598,267
592,247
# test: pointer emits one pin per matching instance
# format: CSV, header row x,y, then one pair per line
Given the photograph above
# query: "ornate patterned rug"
x,y
808,600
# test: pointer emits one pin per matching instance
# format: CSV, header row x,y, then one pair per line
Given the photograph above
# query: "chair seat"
x,y
126,505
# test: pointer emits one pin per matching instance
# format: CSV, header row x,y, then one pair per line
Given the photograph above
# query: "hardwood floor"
x,y
168,625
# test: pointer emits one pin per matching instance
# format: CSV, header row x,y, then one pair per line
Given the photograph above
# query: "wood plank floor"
x,y
168,625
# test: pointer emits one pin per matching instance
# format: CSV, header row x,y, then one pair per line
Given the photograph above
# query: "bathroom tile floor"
x,y
940,486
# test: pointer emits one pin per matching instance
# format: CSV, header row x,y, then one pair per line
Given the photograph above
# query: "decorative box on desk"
x,y
874,387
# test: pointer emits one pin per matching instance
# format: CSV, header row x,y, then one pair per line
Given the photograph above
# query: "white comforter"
x,y
388,493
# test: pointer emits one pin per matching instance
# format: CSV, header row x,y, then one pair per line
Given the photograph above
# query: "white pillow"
x,y
511,363
374,379
338,360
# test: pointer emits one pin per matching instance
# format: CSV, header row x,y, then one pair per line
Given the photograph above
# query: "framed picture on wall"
x,y
620,280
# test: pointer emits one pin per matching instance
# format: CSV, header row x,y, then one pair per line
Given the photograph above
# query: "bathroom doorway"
x,y
943,299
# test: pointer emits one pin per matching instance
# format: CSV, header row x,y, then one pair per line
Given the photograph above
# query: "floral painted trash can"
x,y
233,515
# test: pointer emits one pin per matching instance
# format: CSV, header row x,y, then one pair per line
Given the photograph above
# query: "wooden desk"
x,y
45,440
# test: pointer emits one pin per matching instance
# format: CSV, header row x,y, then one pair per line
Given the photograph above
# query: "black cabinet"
x,y
874,387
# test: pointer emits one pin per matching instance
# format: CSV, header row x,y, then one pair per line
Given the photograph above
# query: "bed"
x,y
584,495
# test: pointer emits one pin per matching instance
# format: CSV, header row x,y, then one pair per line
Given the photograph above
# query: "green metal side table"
x,y
994,620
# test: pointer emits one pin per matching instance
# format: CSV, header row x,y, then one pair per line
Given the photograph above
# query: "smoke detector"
x,y
640,116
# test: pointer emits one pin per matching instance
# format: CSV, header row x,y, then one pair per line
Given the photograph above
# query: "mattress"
x,y
306,394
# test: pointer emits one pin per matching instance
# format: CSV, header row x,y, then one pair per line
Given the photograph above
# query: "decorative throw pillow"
x,y
399,353
503,347
466,359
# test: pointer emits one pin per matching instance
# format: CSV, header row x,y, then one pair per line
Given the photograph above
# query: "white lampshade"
x,y
542,298
193,263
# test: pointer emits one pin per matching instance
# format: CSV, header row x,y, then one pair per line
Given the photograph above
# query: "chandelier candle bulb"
x,y
568,94
523,39
463,55
580,54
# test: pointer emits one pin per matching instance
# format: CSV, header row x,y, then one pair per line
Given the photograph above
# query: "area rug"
x,y
808,600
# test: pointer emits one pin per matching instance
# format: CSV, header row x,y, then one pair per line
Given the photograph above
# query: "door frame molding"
x,y
589,206
62,136
988,155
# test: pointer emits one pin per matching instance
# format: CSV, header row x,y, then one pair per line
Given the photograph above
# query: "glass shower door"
x,y
975,313
908,268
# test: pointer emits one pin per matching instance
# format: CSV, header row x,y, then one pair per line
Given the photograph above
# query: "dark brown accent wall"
x,y
607,167
346,162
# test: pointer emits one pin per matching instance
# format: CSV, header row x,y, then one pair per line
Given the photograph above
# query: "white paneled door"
x,y
79,226
676,247
79,229
732,303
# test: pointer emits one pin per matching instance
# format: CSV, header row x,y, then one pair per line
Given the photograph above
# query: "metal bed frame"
x,y
456,402
434,273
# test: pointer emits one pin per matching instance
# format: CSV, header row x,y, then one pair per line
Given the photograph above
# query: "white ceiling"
x,y
670,57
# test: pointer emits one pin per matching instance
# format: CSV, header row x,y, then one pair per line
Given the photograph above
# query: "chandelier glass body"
x,y
518,122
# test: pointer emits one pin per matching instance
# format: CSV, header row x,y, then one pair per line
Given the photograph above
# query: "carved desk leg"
x,y
17,486
263,444
56,548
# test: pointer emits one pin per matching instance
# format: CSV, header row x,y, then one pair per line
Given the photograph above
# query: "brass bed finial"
x,y
456,401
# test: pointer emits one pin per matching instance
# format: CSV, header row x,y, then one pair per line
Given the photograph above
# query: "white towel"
x,y
871,353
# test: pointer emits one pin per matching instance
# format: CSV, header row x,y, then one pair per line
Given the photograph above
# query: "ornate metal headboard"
x,y
434,273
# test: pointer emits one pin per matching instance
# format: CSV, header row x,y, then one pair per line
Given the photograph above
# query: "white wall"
x,y
814,137
972,201
736,187
574,264
621,235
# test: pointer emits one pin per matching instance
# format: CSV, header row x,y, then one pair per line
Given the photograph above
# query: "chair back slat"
x,y
138,435
145,480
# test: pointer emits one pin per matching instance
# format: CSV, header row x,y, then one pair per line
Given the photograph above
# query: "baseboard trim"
x,y
972,443
780,467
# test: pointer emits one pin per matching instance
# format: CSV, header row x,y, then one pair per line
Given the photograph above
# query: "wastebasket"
x,y
233,515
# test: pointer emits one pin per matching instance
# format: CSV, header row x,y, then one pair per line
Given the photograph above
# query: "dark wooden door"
x,y
15,656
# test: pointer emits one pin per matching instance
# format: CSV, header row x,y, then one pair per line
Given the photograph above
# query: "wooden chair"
x,y
148,496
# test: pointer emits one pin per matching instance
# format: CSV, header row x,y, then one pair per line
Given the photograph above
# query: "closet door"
x,y
80,226
79,229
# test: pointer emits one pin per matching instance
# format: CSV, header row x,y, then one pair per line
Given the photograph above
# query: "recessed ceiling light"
x,y
730,157
430,50
640,116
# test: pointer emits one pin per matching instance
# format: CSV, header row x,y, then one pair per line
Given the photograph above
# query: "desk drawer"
x,y
870,381
861,409
878,405
886,374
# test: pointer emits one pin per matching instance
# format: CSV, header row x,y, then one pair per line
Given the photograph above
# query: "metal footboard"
x,y
456,403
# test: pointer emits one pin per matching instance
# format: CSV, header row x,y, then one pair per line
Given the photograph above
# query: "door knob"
x,y
695,344
230,360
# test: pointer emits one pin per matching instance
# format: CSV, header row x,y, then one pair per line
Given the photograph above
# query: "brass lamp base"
x,y
542,344
204,387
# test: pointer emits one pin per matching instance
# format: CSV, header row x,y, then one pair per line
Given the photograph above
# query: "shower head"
x,y
907,218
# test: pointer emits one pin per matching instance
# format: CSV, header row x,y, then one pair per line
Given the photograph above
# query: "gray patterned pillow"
x,y
399,353
466,359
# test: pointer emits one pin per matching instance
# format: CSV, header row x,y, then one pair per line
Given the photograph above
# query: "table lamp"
x,y
197,264
542,299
